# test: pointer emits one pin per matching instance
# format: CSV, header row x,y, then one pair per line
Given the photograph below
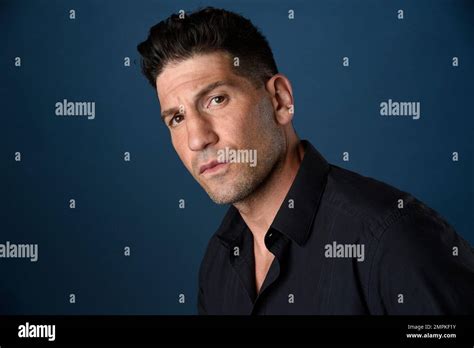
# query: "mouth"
x,y
211,167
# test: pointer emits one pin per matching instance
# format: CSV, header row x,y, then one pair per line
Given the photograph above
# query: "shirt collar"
x,y
294,218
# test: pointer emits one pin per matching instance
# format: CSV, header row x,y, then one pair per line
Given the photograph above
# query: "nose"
x,y
200,132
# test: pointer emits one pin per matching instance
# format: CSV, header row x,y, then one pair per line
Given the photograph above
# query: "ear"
x,y
281,94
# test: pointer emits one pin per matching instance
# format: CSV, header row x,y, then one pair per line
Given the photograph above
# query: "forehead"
x,y
194,72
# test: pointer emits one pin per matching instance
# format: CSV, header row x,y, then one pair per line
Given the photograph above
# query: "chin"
x,y
220,200
220,197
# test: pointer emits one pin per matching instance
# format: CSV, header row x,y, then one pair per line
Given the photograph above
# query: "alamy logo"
x,y
228,155
394,108
336,250
67,108
37,331
11,250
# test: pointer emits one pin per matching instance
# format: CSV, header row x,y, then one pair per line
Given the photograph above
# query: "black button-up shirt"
x,y
343,244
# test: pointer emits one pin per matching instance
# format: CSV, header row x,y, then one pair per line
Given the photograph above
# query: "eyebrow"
x,y
198,96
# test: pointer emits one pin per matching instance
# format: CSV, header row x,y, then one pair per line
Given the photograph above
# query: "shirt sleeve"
x,y
202,278
201,307
422,267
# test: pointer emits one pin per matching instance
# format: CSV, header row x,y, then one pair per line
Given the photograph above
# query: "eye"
x,y
217,100
175,120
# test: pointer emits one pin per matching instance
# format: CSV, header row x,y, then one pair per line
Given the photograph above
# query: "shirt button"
x,y
270,239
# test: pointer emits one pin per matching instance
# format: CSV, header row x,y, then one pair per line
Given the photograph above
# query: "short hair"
x,y
208,30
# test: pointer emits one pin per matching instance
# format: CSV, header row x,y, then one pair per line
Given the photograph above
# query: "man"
x,y
301,236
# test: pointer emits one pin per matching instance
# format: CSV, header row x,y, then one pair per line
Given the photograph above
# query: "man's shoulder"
x,y
213,255
214,246
371,202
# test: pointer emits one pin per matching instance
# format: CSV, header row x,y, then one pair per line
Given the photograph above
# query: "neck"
x,y
260,208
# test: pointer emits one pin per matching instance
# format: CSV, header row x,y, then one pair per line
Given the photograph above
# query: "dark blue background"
x,y
136,203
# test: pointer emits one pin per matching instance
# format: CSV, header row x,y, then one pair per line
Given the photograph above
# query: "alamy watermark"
x,y
27,251
337,250
229,155
28,330
67,108
394,108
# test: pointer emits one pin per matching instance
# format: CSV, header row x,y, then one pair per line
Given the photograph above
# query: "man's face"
x,y
212,108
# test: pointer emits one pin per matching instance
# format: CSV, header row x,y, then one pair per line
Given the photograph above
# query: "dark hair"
x,y
205,31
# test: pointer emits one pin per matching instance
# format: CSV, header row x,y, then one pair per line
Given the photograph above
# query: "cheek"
x,y
251,125
240,122
180,146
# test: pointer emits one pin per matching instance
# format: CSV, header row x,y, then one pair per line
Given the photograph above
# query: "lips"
x,y
209,165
